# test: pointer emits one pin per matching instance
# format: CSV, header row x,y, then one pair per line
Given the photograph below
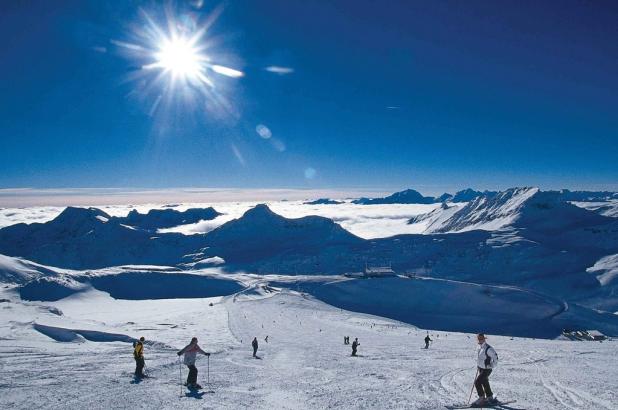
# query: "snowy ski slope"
x,y
304,364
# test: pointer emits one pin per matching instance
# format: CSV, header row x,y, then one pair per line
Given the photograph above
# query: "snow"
x,y
15,269
488,212
605,269
519,263
605,208
83,358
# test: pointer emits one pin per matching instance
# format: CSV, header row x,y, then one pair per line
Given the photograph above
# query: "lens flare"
x,y
178,63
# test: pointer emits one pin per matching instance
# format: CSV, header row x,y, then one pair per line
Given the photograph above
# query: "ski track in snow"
x,y
304,365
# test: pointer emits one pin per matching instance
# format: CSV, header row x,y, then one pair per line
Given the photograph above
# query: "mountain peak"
x,y
260,211
167,218
74,214
407,196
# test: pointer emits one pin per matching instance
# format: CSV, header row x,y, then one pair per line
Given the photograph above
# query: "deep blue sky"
x,y
487,94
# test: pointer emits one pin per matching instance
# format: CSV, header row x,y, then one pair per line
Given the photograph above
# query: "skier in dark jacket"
x,y
138,355
355,345
427,340
255,346
190,351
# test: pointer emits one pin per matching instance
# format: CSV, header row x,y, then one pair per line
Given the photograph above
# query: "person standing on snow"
x,y
255,346
138,355
486,360
427,340
355,345
190,351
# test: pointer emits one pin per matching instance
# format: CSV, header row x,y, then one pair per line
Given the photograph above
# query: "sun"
x,y
179,63
181,58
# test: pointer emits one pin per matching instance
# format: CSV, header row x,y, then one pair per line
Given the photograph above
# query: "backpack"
x,y
488,360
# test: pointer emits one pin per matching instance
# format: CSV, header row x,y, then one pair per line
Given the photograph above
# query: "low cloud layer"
x,y
366,221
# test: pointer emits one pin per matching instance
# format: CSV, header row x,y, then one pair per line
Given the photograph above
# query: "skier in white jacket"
x,y
486,360
190,351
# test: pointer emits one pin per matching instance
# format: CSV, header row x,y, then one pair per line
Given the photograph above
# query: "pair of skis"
x,y
491,405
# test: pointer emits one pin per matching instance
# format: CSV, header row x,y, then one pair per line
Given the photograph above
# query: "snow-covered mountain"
x,y
408,196
519,207
261,233
605,208
167,218
81,238
469,194
435,218
323,201
519,237
587,196
445,197
487,212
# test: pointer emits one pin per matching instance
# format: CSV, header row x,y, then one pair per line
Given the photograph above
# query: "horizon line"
x,y
20,197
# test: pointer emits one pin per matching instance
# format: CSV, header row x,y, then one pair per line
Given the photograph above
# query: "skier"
x,y
487,359
266,339
190,351
138,355
255,346
355,345
427,340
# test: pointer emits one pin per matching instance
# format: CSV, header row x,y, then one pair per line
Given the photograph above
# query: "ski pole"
x,y
208,371
472,389
180,374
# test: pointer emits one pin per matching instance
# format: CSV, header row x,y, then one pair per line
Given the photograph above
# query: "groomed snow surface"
x,y
75,353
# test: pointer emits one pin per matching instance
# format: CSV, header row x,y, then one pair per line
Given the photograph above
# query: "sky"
x,y
341,95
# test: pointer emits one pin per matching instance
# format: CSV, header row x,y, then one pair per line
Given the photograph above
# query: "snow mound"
x,y
18,270
58,334
50,288
61,334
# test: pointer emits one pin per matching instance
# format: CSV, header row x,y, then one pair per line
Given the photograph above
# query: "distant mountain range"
x,y
520,237
410,196
167,218
323,201
83,238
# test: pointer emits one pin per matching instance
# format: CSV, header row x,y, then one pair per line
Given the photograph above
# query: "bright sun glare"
x,y
181,58
180,63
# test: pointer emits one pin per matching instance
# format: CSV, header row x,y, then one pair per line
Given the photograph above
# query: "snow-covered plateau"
x,y
79,285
